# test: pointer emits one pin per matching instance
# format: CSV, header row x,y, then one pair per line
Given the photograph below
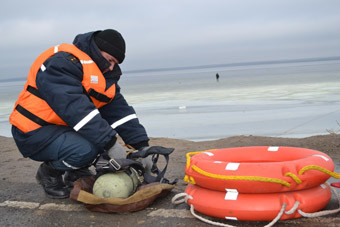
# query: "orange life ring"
x,y
257,207
259,169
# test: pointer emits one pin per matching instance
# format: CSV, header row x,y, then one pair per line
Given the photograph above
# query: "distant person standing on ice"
x,y
71,110
217,77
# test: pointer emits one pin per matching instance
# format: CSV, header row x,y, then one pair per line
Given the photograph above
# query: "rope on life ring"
x,y
267,179
248,178
315,167
191,180
175,200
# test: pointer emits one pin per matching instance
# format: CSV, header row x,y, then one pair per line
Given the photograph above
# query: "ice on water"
x,y
289,100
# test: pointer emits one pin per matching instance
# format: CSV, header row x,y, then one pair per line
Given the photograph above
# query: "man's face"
x,y
112,60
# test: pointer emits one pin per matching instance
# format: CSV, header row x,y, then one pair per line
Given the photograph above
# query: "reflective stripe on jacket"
x,y
31,111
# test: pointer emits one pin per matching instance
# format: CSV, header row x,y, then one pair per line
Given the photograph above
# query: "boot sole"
x,y
57,197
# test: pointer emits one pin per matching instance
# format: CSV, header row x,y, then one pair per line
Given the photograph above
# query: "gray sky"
x,y
173,33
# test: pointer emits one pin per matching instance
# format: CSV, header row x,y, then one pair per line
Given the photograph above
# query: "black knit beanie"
x,y
111,42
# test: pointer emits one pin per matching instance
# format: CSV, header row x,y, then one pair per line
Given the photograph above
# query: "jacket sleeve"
x,y
60,86
124,120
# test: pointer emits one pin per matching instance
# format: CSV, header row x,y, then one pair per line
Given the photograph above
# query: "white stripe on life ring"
x,y
321,156
273,148
232,166
231,194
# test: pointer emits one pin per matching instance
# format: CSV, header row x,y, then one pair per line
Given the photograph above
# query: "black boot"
x,y
52,181
71,176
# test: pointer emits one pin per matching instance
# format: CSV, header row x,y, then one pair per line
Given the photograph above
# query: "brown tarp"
x,y
143,197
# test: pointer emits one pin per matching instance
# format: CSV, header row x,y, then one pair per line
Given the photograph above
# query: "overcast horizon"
x,y
168,34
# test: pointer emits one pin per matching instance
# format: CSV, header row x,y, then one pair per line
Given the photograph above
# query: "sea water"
x,y
282,100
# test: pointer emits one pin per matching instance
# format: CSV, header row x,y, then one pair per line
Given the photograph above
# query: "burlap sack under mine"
x,y
143,197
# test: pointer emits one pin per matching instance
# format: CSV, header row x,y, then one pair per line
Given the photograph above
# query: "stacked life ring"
x,y
254,183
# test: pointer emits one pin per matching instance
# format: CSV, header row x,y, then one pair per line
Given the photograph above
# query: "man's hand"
x,y
114,160
117,151
147,163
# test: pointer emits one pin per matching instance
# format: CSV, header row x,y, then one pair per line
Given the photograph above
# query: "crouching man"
x,y
71,110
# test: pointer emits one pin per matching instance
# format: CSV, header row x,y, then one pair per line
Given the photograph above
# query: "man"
x,y
217,77
71,110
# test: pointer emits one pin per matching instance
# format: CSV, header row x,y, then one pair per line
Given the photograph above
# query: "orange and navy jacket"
x,y
65,87
32,111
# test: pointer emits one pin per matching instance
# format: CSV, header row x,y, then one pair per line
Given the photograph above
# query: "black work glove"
x,y
146,151
148,156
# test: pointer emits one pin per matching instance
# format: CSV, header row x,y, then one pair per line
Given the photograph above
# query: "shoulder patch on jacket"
x,y
73,59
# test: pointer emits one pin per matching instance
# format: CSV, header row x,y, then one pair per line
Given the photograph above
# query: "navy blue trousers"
x,y
68,152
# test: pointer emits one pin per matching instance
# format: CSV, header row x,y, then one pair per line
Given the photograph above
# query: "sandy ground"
x,y
15,168
12,161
